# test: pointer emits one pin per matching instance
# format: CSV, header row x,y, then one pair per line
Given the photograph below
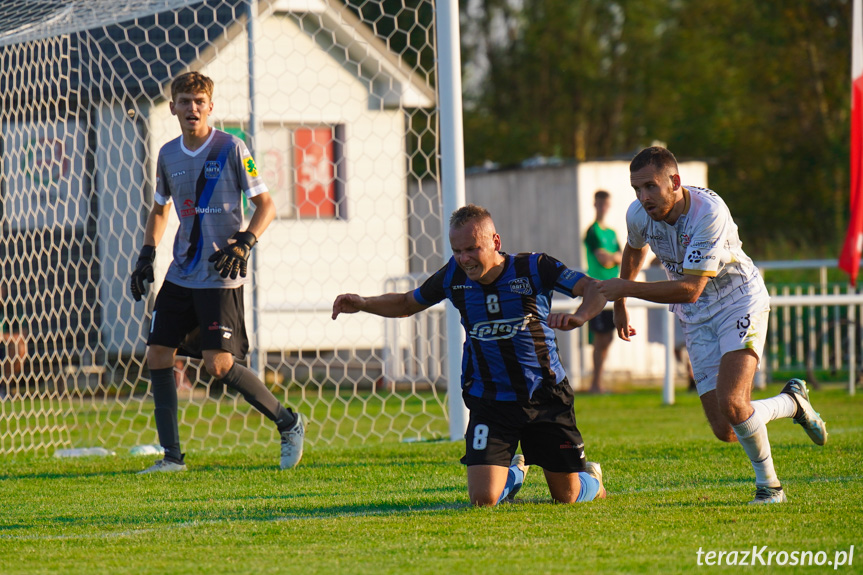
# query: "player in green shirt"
x,y
603,262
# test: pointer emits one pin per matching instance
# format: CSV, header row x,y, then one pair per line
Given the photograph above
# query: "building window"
x,y
304,167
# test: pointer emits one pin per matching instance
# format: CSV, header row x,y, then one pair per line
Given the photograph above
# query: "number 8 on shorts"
x,y
480,437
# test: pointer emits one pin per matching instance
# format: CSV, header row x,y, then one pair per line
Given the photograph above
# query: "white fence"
x,y
814,330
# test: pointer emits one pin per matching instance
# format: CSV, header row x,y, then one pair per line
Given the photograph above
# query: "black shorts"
x,y
545,426
193,320
603,323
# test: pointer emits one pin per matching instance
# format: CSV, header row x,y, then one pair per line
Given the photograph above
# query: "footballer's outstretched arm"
x,y
386,305
686,290
593,302
631,262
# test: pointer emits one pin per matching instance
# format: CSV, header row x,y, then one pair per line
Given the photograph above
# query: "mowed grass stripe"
x,y
402,508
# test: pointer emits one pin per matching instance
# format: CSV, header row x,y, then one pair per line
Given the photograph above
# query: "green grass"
x,y
402,508
45,421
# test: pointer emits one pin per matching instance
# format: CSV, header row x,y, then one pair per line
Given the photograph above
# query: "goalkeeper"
x,y
199,308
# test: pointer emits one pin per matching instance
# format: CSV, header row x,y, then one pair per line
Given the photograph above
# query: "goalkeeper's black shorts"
x,y
192,320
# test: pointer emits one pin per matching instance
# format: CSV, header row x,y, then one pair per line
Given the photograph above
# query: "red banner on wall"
x,y
313,158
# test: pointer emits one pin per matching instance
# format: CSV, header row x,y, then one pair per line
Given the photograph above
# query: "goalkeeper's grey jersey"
x,y
702,242
206,186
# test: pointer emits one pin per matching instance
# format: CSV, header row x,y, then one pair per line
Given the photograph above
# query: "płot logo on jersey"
x,y
250,166
190,209
499,328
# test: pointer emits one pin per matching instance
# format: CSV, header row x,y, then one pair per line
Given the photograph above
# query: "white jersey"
x,y
702,242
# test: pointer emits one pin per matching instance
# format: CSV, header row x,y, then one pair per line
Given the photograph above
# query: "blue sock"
x,y
589,487
514,481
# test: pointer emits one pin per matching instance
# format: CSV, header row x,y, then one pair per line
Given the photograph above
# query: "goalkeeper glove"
x,y
143,272
233,258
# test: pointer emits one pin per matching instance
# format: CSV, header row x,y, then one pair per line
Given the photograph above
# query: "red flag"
x,y
849,260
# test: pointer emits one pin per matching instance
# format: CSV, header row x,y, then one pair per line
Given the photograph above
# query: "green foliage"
x,y
405,26
760,89
402,508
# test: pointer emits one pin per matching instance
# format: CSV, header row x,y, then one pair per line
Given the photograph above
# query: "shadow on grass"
x,y
105,526
65,475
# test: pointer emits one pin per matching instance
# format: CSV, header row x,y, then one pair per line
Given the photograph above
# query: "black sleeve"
x,y
432,291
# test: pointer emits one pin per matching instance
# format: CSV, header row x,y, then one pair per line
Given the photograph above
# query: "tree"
x,y
761,89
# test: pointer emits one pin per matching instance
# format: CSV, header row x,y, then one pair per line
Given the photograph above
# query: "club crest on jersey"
x,y
250,166
684,239
499,328
520,285
212,169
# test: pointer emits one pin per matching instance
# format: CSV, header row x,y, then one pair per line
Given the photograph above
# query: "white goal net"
x,y
336,99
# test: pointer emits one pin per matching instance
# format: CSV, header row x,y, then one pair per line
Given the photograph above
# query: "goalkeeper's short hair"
x,y
192,83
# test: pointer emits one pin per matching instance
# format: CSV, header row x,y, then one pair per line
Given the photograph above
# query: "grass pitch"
x,y
403,508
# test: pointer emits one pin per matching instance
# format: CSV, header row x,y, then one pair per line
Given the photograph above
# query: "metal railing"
x,y
813,328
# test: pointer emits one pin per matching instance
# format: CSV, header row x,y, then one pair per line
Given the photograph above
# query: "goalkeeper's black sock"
x,y
287,419
256,393
165,398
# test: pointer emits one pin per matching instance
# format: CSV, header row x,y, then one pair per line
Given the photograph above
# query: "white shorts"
x,y
742,325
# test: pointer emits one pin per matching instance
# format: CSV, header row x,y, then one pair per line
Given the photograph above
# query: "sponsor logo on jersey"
x,y
500,328
460,286
704,244
569,274
520,285
653,237
570,445
250,166
212,170
190,209
696,256
178,174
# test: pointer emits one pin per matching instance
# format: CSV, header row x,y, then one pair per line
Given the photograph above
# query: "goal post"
x,y
337,99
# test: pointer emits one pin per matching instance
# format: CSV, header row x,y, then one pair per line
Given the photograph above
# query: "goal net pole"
x,y
337,100
452,188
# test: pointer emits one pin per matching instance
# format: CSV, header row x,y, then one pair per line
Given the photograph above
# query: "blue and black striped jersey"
x,y
510,350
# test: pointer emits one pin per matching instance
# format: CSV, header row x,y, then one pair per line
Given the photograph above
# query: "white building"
x,y
331,120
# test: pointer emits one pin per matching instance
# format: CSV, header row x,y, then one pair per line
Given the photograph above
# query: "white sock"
x,y
752,435
776,407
